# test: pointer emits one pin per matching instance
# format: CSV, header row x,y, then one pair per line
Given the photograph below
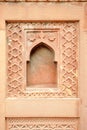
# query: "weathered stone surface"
x,y
62,26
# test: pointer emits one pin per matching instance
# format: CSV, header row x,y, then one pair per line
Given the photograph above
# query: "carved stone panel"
x,y
62,38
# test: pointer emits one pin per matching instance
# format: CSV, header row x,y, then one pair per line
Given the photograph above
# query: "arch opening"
x,y
41,70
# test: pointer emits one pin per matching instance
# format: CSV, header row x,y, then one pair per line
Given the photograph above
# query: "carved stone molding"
x,y
62,37
42,123
43,1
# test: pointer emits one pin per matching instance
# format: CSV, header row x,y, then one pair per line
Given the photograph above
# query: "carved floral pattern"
x,y
42,123
35,35
20,33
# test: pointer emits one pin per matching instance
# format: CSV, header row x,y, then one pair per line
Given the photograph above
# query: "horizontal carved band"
x,y
42,123
43,0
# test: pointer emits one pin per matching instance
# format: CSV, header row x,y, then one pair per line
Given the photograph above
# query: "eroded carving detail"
x,y
42,123
68,57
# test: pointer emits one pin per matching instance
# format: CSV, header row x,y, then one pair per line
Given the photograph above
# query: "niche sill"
x,y
42,86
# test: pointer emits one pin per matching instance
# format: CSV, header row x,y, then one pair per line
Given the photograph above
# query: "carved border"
x,y
42,123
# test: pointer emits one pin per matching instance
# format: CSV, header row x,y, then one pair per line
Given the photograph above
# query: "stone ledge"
x,y
42,107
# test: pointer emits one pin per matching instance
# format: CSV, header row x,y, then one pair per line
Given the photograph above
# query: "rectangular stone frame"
x,y
37,10
65,46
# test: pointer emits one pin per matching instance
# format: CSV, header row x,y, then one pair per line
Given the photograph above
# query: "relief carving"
x,y
62,37
15,59
69,60
35,35
42,123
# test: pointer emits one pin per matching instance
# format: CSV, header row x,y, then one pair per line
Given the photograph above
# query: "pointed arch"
x,y
42,69
42,44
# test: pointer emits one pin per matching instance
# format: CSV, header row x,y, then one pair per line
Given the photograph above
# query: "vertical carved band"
x,y
15,59
69,59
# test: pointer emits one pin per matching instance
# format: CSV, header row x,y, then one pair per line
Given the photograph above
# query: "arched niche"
x,y
51,47
41,69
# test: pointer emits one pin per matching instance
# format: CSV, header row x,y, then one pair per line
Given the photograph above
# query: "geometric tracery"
x,y
42,123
